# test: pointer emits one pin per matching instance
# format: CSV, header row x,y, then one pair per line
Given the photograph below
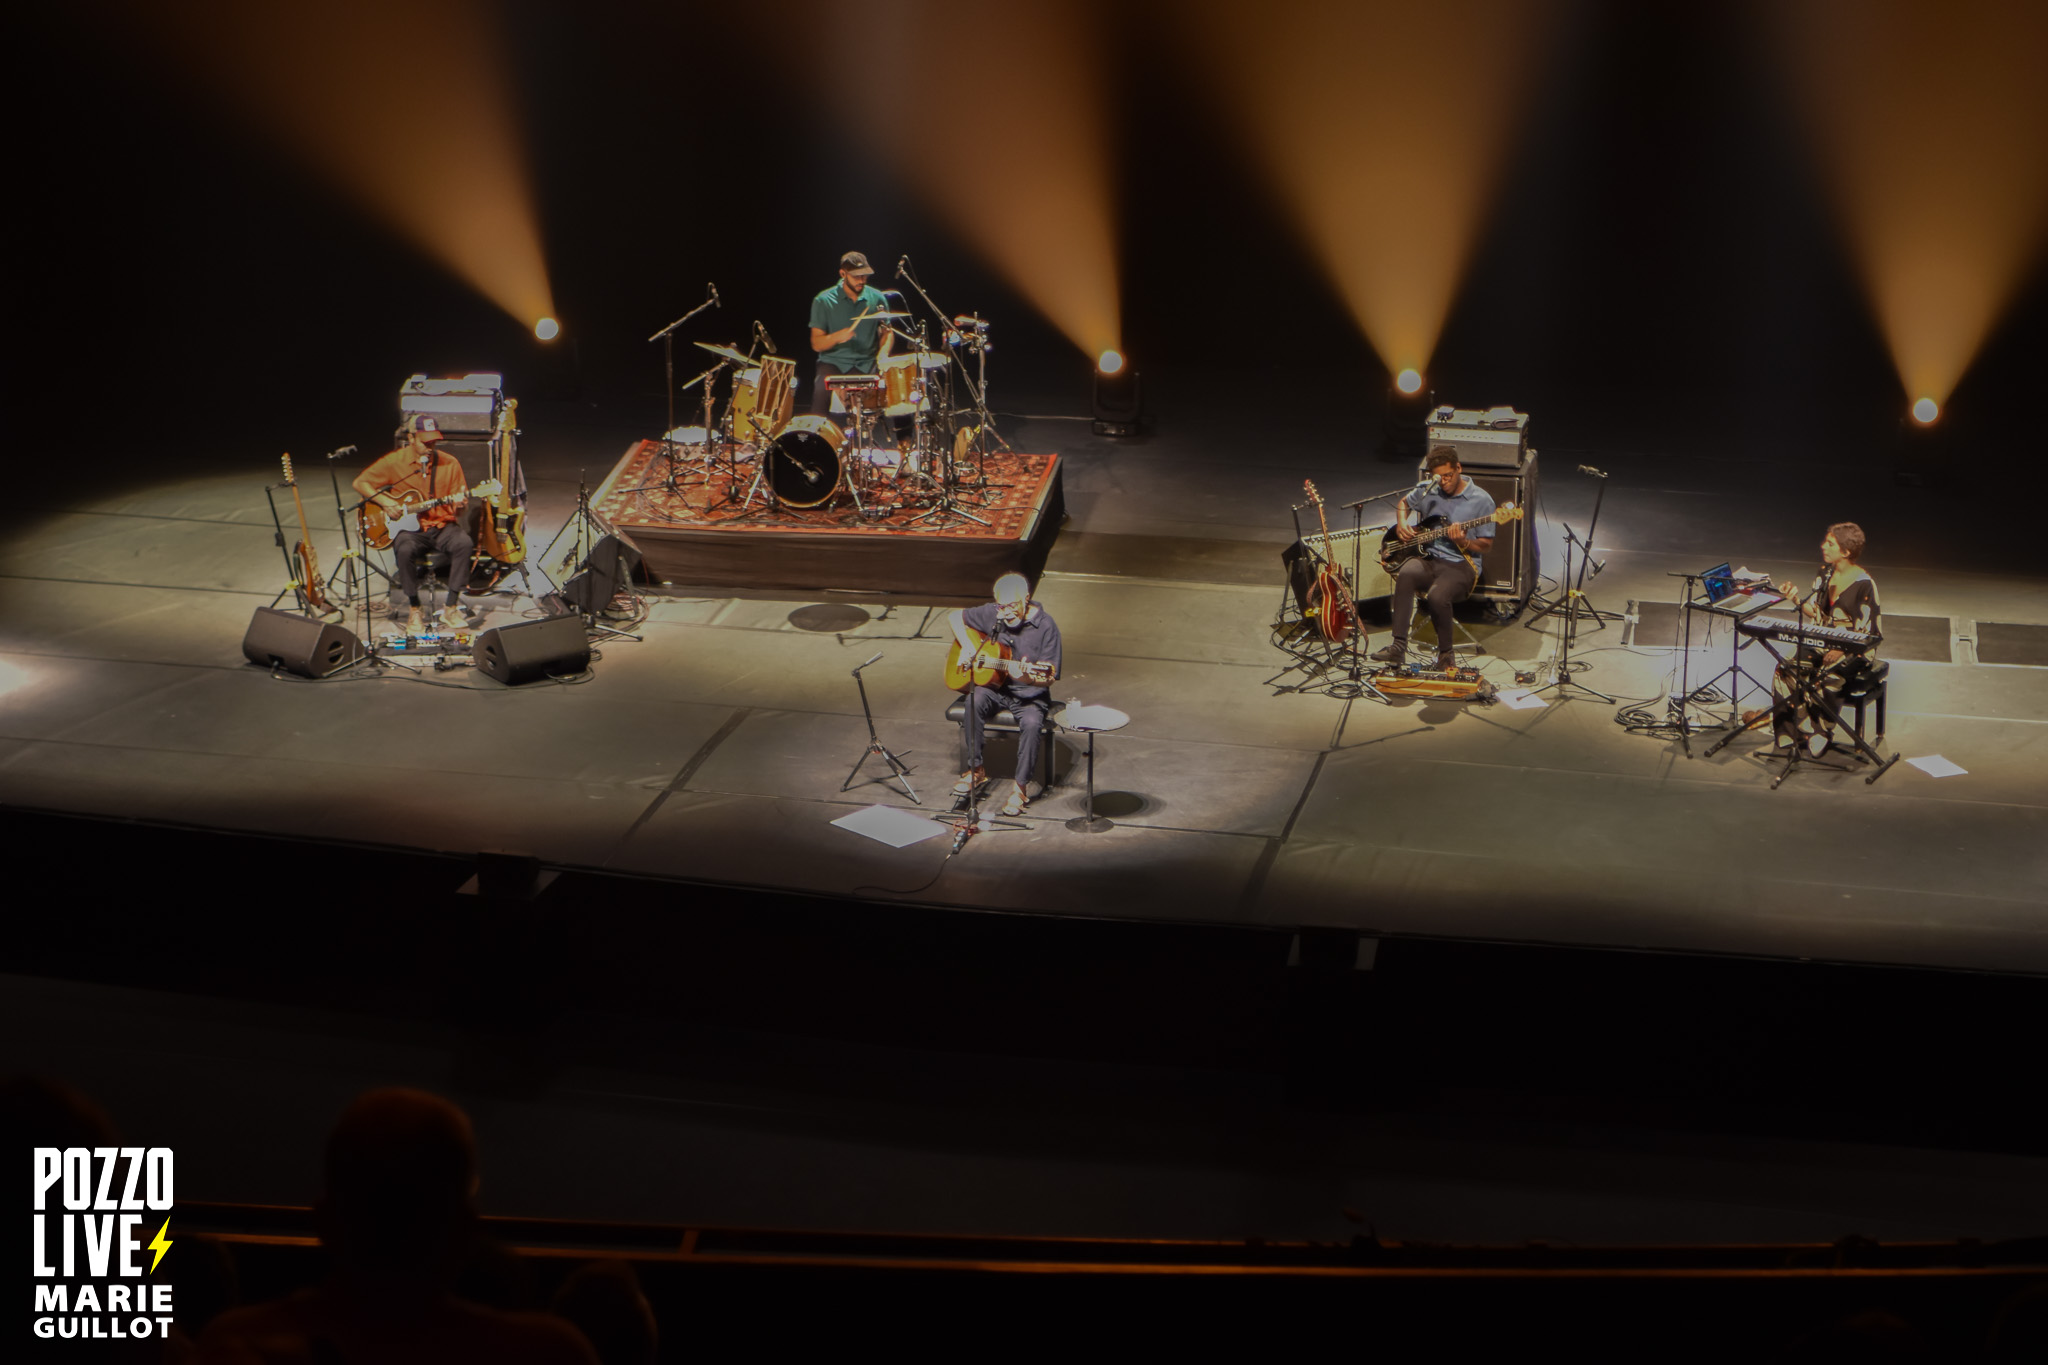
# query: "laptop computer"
x,y
1719,590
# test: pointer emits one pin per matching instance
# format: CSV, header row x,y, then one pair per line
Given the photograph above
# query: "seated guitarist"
x,y
1023,626
1447,568
418,472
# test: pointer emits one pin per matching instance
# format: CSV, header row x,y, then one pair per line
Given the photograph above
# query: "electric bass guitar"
x,y
378,529
1394,551
987,661
311,590
1329,597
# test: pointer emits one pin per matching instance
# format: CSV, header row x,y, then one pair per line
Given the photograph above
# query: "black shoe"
x,y
1394,653
1446,663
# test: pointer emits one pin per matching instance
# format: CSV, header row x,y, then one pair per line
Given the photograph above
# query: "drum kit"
x,y
894,441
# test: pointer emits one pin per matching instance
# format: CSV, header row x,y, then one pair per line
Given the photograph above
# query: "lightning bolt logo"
x,y
160,1244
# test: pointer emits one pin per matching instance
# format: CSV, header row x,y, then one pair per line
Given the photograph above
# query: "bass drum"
x,y
803,462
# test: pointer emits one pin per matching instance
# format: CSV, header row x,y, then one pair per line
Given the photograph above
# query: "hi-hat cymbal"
x,y
728,352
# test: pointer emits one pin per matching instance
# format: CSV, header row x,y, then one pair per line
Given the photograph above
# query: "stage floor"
x,y
715,748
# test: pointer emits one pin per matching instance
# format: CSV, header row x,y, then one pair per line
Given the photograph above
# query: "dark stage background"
x,y
1661,269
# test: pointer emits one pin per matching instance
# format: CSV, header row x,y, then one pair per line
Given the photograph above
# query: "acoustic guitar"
x,y
987,661
378,529
1329,598
311,590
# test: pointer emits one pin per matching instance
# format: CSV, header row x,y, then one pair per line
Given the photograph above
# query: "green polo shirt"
x,y
832,310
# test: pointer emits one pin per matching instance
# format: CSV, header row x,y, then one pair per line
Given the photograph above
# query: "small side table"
x,y
1091,720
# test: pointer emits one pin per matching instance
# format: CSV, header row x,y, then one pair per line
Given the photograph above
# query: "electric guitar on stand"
x,y
312,592
501,530
1329,598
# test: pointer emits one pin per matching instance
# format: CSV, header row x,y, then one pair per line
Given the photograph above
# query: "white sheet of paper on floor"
x,y
1520,699
1934,765
891,825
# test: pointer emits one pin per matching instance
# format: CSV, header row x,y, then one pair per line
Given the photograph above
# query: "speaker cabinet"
x,y
529,650
613,561
298,644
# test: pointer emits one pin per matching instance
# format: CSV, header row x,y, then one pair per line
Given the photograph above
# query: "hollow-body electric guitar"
x,y
1394,551
378,529
988,661
311,590
1329,599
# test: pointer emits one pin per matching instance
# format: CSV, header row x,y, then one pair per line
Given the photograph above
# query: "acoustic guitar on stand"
x,y
988,661
378,528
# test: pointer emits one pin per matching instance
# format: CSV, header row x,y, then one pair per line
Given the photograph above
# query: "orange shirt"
x,y
399,474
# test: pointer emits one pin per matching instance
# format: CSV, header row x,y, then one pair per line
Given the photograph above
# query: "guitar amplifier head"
x,y
1493,438
468,406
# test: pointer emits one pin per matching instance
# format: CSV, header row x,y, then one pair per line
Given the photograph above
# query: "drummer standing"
x,y
843,345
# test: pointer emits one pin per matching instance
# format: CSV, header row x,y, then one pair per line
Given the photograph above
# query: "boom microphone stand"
x,y
1573,604
667,337
875,746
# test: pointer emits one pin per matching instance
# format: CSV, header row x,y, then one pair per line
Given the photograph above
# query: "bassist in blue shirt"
x,y
1444,572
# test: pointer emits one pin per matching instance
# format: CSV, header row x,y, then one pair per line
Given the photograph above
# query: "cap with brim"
x,y
423,425
856,263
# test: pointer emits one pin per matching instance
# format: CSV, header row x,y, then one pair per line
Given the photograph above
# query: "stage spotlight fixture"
x,y
1119,406
1408,381
547,329
1925,411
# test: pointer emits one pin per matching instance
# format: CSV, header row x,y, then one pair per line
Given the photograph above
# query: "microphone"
x,y
1596,473
857,670
716,302
337,454
766,340
903,266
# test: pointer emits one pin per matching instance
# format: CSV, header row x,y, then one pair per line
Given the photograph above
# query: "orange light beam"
x,y
405,104
1931,122
1382,127
1017,161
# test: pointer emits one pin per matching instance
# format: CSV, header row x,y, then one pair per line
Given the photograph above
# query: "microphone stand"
x,y
977,389
876,748
666,336
1573,604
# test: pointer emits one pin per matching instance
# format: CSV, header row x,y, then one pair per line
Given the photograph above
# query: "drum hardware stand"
x,y
587,522
973,334
1571,602
667,337
876,748
945,502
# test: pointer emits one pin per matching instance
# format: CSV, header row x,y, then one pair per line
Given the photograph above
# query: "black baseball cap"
x,y
856,263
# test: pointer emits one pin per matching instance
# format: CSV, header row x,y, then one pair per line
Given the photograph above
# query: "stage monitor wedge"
x,y
528,651
299,644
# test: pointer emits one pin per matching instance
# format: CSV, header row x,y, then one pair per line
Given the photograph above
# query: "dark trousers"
x,y
821,397
1029,713
451,540
1441,583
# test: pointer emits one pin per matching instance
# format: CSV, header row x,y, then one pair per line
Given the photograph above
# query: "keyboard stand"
x,y
1806,689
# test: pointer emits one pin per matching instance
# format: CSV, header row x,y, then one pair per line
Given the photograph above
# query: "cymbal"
x,y
728,352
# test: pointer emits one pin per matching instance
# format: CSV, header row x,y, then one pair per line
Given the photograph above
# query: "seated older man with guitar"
x,y
412,501
1006,651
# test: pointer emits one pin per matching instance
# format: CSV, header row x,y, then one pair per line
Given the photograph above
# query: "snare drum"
x,y
803,461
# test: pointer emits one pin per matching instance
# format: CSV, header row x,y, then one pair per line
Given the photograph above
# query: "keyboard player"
x,y
1843,595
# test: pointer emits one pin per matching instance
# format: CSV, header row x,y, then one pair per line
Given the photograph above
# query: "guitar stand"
x,y
897,768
